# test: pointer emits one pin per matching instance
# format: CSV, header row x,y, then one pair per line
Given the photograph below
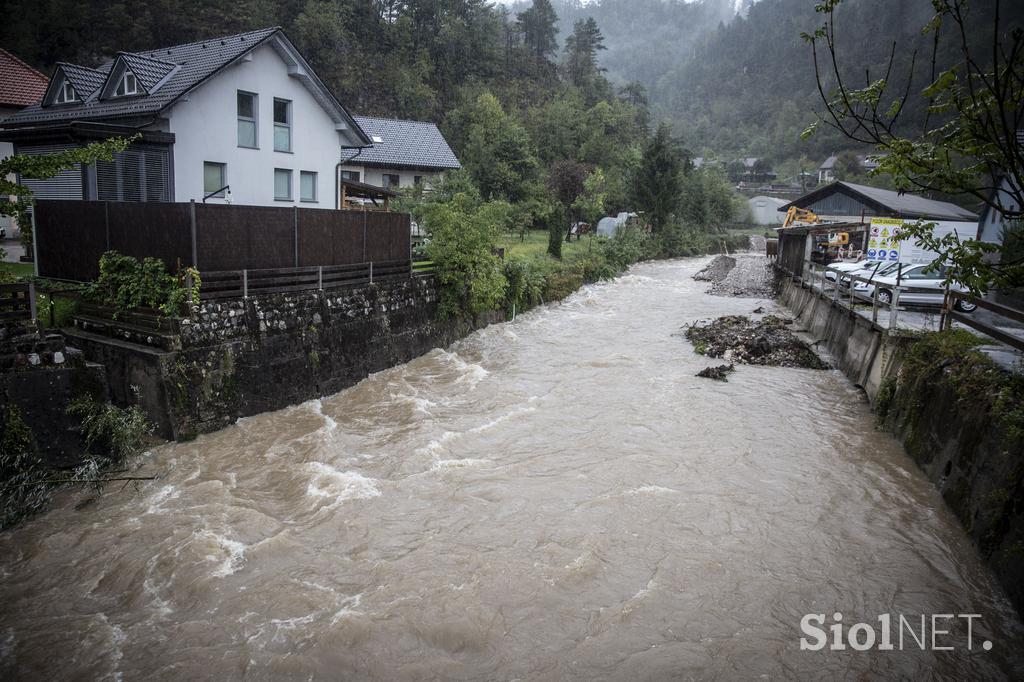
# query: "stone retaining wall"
x,y
242,357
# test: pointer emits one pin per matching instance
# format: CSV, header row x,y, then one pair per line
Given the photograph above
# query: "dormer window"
x,y
66,94
128,85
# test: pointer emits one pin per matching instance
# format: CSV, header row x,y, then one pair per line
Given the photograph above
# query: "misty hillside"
x,y
742,83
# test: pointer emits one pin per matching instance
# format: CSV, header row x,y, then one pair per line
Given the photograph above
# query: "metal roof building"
x,y
848,201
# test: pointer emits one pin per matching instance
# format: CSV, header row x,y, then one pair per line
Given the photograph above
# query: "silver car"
x,y
923,276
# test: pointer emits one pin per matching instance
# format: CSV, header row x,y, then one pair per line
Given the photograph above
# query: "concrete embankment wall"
x,y
974,456
863,352
237,358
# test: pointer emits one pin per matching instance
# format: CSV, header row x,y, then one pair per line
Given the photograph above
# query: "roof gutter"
x,y
90,129
337,172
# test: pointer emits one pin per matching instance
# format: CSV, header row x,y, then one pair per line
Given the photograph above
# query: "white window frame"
x,y
66,94
385,183
223,179
286,125
315,198
291,194
122,89
254,120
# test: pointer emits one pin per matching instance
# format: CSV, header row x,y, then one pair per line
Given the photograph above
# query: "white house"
x,y
241,118
827,169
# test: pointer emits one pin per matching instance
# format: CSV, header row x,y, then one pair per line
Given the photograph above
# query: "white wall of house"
x,y
992,224
206,129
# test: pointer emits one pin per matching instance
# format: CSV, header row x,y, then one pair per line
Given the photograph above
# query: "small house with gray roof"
x,y
403,154
241,118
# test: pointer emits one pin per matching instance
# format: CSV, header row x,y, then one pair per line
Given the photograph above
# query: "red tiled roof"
x,y
20,84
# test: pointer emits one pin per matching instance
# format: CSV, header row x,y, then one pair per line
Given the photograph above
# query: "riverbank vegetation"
x,y
111,437
961,418
486,260
126,284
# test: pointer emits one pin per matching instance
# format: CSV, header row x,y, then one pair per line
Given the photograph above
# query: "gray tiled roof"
x,y
195,61
416,144
84,80
149,71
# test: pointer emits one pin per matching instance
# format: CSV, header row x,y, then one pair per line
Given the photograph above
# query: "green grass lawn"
x,y
535,245
19,269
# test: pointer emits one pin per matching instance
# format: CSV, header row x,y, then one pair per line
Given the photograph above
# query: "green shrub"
x,y
111,433
562,282
629,245
126,284
462,237
526,282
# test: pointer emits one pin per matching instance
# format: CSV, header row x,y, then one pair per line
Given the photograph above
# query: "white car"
x,y
924,276
874,268
845,266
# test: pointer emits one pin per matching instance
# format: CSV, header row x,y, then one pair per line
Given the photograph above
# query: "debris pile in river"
x,y
739,339
745,275
718,373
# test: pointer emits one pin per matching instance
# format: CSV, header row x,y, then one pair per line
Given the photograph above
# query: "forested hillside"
x,y
735,79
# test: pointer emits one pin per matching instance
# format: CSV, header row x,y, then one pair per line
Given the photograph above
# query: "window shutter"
x,y
141,173
67,184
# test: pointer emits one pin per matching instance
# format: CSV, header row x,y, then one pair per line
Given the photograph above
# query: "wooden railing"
x,y
245,283
950,314
841,292
17,301
846,296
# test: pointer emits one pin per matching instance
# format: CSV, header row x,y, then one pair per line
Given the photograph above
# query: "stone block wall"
x,y
239,357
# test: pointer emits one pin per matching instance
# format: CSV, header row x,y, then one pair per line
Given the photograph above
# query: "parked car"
x,y
926,276
873,269
845,266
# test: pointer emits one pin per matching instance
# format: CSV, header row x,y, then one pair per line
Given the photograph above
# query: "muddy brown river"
x,y
554,498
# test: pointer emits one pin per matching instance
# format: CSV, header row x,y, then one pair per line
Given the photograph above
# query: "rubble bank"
x,y
767,341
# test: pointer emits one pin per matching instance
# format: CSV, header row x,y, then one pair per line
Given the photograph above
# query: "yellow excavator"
x,y
795,214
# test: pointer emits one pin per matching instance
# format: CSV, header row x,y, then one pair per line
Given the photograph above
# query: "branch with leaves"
x,y
15,197
972,136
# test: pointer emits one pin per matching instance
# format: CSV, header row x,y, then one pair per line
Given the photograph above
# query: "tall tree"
x,y
970,142
658,183
497,151
539,26
581,50
566,180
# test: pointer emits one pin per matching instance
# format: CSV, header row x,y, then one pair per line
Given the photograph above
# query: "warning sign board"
x,y
885,241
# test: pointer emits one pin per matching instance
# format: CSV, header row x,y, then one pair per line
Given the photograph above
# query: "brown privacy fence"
x,y
72,235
